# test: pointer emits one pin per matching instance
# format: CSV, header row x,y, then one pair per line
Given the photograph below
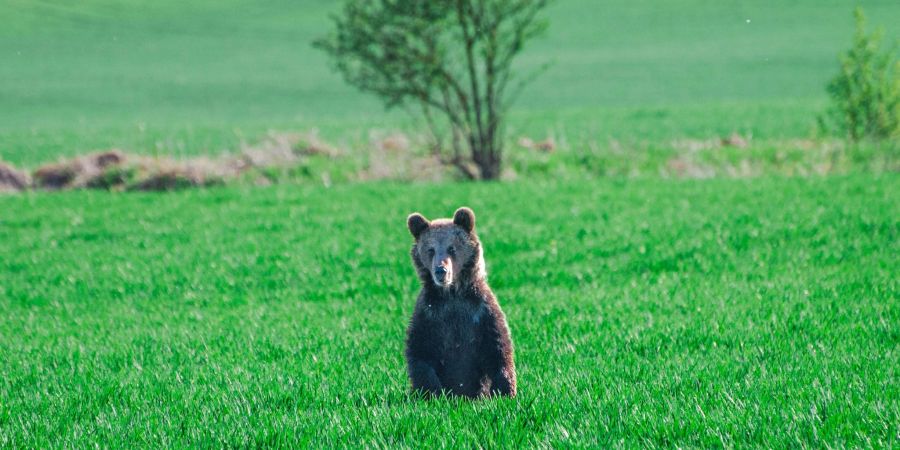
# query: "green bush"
x,y
866,92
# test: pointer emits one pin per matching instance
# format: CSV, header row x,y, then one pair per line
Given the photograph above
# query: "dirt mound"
x,y
116,170
78,172
12,180
55,175
171,179
105,159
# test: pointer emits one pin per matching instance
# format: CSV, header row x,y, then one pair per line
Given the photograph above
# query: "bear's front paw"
x,y
503,384
424,379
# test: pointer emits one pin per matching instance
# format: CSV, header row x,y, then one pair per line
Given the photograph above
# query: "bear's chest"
x,y
457,327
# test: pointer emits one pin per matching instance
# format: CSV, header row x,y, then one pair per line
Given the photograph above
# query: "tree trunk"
x,y
491,171
488,162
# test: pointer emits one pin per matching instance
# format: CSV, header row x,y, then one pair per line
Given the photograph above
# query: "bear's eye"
x,y
431,252
451,251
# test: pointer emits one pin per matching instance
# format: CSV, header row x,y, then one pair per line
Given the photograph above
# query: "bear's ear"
x,y
465,218
417,223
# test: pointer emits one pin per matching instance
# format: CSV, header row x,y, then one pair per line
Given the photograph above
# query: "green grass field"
x,y
758,308
171,79
644,314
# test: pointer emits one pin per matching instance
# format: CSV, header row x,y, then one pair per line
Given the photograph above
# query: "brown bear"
x,y
458,342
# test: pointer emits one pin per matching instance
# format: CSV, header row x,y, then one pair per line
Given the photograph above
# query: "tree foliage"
x,y
450,59
866,92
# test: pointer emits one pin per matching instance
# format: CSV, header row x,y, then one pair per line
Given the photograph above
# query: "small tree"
x,y
447,58
866,92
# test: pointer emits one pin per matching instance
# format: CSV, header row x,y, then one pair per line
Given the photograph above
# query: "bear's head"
x,y
447,252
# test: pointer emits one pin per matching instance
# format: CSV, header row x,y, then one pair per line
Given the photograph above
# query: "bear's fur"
x,y
458,342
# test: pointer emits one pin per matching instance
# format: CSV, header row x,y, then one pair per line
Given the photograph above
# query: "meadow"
x,y
649,307
643,312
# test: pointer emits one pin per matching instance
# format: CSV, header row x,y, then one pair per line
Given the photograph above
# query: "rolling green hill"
x,y
175,78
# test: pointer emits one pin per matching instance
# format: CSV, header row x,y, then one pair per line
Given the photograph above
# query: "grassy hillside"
x,y
174,78
645,313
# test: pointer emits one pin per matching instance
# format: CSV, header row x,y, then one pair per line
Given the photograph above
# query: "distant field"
x,y
645,313
180,78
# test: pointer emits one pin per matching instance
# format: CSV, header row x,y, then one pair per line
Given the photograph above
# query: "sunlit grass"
x,y
644,313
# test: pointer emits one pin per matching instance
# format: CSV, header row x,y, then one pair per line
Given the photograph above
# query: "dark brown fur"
x,y
458,341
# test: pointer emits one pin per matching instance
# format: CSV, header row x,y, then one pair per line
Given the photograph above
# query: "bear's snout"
x,y
443,274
